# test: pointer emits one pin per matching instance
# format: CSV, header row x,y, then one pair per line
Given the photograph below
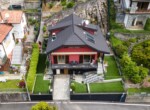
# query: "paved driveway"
x,y
61,87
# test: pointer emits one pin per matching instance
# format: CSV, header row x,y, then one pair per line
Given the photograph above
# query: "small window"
x,y
90,38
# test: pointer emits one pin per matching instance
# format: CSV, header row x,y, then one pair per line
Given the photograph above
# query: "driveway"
x,y
61,87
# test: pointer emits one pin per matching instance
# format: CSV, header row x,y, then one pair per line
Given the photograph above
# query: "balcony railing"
x,y
142,11
76,66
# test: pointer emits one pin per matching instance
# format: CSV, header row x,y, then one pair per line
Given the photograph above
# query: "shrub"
x,y
44,28
70,4
73,86
51,5
22,84
33,65
37,26
63,3
120,50
147,25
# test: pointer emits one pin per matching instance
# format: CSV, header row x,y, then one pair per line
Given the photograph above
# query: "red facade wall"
x,y
90,31
74,58
56,31
80,49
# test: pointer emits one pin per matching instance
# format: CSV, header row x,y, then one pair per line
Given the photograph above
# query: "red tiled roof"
x,y
4,30
14,16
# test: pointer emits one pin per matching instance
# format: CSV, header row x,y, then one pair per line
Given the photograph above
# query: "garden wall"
x,y
117,97
37,97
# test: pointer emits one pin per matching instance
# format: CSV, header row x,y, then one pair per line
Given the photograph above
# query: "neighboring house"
x,y
7,44
136,12
17,19
75,45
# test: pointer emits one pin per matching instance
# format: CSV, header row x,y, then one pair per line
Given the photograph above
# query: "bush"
x,y
120,50
63,3
70,4
73,86
147,25
44,28
37,26
33,65
22,84
51,5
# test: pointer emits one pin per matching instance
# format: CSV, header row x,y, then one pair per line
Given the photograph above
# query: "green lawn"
x,y
41,85
106,87
112,70
136,90
41,63
80,88
10,85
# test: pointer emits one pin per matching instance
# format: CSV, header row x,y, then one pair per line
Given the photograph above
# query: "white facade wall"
x,y
9,43
126,20
149,6
127,3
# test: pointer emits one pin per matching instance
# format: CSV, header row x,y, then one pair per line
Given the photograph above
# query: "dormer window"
x,y
53,36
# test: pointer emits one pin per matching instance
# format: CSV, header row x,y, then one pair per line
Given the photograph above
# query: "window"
x,y
86,59
90,38
61,59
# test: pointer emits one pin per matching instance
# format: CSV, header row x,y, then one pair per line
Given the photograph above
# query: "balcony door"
x,y
61,59
142,5
86,59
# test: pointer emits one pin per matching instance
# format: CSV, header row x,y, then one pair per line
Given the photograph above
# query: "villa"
x,y
75,46
133,13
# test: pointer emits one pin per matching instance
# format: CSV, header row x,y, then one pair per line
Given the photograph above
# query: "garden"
x,y
12,86
132,53
111,87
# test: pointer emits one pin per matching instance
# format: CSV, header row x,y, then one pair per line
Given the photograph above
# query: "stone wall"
x,y
32,4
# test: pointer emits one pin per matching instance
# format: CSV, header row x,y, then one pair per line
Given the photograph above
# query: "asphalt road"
x,y
78,106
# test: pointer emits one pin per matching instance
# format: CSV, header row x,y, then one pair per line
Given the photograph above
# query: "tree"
x,y
70,4
43,106
147,25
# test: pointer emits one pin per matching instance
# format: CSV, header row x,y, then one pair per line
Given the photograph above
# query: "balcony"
x,y
75,66
142,11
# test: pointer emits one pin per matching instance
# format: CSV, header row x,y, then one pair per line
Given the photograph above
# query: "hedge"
x,y
33,65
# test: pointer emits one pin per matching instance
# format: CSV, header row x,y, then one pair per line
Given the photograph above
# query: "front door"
x,y
65,71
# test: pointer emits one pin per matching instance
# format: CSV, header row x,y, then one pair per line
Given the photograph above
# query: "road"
x,y
78,106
